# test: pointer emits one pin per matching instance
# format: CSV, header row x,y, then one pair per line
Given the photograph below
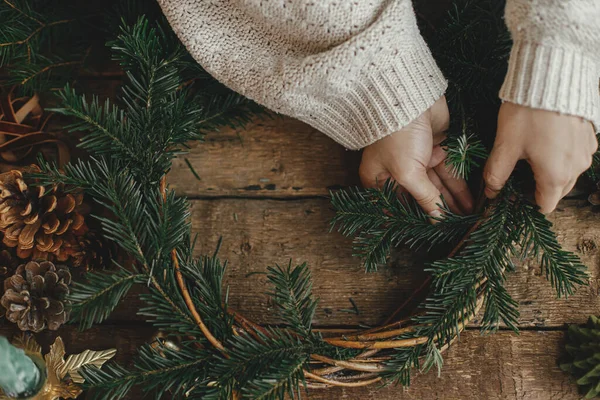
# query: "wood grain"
x,y
259,233
271,157
496,367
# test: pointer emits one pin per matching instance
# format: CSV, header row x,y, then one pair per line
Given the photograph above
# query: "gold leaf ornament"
x,y
88,357
63,375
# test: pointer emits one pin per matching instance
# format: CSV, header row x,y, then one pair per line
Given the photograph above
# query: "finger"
x,y
438,154
547,196
445,193
498,168
568,188
458,187
425,193
372,178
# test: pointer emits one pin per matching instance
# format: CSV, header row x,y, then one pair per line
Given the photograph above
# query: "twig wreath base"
x,y
131,146
362,370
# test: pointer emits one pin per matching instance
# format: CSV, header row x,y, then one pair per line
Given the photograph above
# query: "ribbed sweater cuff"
x,y
381,100
554,79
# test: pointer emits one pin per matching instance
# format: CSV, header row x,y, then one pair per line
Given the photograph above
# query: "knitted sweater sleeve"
x,y
355,70
555,59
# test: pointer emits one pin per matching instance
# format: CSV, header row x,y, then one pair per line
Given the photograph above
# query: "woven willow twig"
x,y
362,370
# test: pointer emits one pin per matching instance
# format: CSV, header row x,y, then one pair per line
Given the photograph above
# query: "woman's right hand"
x,y
414,158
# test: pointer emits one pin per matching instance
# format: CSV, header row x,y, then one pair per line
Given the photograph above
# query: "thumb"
x,y
498,168
423,191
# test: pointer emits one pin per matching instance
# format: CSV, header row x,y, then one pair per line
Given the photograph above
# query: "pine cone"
x,y
8,264
583,346
34,296
89,251
38,222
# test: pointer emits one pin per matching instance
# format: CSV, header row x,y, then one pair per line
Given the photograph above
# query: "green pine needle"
x,y
93,301
292,292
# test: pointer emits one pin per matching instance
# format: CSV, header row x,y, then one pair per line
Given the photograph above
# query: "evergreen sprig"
x,y
45,44
132,143
157,368
380,220
292,292
94,300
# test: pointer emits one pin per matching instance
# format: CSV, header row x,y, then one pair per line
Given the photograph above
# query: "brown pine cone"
x,y
36,221
8,264
88,251
34,297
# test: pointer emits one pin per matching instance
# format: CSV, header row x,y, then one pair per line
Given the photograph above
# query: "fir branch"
x,y
382,220
166,310
400,365
94,300
45,44
463,154
157,368
106,127
562,268
499,306
292,292
486,258
205,280
268,368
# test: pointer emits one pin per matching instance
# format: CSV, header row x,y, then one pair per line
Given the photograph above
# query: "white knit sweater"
x,y
358,70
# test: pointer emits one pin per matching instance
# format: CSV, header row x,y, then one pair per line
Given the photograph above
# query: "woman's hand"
x,y
414,159
558,148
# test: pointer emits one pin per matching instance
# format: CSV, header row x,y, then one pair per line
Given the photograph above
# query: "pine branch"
x,y
292,292
94,300
205,277
486,258
381,220
464,154
562,268
268,368
401,364
157,368
166,310
45,44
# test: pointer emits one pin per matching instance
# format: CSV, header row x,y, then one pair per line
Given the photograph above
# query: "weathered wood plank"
x,y
274,157
498,367
501,366
258,233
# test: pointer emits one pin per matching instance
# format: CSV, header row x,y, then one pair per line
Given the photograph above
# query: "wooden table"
x,y
263,189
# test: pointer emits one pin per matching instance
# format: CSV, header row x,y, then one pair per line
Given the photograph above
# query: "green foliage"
x,y
157,368
205,282
380,220
292,292
166,102
266,367
562,268
464,153
45,44
95,299
583,348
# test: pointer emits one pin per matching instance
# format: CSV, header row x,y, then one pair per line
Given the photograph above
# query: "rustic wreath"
x,y
221,354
